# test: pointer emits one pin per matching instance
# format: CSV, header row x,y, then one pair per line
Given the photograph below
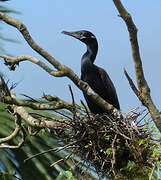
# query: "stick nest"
x,y
106,143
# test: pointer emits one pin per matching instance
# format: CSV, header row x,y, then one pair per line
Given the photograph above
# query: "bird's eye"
x,y
87,35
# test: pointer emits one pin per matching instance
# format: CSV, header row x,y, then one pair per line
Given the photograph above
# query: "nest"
x,y
106,143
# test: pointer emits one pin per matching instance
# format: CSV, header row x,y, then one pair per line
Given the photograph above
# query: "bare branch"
x,y
40,123
22,28
13,61
57,104
57,149
144,94
134,45
62,159
73,101
133,87
86,110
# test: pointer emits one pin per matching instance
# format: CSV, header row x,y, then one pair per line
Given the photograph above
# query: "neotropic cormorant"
x,y
96,77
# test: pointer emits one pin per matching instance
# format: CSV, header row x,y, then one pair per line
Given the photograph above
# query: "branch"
x,y
57,104
22,28
133,87
16,109
64,70
142,84
38,123
57,149
13,61
144,91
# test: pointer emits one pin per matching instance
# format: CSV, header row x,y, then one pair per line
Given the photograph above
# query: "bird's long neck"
x,y
89,57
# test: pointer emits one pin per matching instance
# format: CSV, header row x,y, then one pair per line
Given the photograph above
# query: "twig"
x,y
63,159
117,130
34,100
70,88
113,155
132,111
59,104
62,114
142,118
3,86
86,110
50,150
132,84
13,61
73,101
62,121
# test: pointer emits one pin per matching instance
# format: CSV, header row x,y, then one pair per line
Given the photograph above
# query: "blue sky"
x,y
46,19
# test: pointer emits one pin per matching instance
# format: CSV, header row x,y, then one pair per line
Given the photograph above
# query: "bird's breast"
x,y
93,79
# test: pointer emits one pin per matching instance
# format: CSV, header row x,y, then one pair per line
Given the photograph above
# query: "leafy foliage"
x,y
149,169
13,160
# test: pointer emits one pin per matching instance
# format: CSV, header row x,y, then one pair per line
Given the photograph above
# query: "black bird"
x,y
96,77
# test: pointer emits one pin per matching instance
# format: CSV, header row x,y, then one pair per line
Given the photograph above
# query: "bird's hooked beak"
x,y
73,34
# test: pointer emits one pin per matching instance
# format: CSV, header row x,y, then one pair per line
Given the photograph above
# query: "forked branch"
x,y
144,91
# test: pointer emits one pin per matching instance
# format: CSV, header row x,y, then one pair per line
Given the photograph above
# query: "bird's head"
x,y
84,36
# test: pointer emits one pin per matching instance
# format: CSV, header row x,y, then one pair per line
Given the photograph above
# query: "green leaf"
x,y
109,151
69,175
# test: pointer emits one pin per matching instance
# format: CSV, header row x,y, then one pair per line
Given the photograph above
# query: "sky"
x,y
46,19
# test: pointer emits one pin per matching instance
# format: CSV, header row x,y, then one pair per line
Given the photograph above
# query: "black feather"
x,y
96,77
